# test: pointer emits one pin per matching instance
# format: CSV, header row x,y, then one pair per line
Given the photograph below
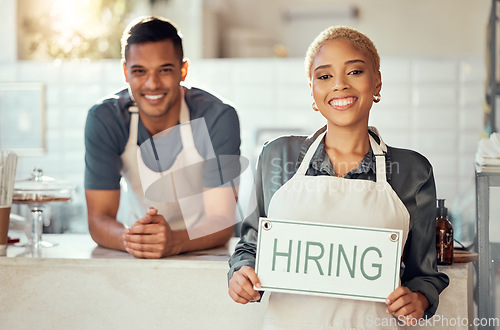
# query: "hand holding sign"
x,y
406,305
241,285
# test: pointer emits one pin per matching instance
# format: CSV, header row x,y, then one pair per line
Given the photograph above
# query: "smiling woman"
x,y
350,161
70,29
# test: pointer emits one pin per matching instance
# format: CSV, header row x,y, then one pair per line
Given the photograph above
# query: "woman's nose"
x,y
340,83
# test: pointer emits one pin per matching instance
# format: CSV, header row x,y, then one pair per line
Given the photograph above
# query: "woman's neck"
x,y
347,141
346,148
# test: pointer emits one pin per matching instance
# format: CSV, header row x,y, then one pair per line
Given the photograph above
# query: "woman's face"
x,y
343,83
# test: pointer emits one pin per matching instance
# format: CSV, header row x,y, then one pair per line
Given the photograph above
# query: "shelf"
x,y
486,267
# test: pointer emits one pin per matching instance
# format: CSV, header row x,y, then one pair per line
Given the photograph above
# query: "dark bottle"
x,y
444,235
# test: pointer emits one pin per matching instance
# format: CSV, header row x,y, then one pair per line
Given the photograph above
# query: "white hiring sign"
x,y
328,260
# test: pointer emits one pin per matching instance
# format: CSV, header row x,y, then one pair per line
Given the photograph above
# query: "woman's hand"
x,y
241,285
406,305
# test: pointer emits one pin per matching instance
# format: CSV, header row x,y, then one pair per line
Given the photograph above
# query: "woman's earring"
x,y
376,98
314,106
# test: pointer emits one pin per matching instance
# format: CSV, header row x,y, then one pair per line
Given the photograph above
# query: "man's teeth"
x,y
342,102
153,97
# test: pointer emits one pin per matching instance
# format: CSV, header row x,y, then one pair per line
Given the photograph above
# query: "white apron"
x,y
133,169
339,201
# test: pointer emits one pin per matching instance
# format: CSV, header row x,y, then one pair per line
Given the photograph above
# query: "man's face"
x,y
154,72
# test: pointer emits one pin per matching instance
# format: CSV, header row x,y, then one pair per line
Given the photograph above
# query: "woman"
x,y
342,66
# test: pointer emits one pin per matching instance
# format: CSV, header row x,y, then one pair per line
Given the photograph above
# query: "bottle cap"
x,y
442,211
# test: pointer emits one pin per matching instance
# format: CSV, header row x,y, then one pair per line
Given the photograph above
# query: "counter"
x,y
78,285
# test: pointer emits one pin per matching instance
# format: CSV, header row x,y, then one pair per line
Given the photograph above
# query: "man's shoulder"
x,y
202,103
115,104
109,117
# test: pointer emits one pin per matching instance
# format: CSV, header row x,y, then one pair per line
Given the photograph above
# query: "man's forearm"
x,y
184,244
102,207
107,232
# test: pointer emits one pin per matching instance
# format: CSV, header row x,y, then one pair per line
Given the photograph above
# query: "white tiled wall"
x,y
431,105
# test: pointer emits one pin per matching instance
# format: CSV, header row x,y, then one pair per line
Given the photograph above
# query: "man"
x,y
122,129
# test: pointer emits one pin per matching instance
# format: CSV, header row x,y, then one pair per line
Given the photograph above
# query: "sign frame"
x,y
266,286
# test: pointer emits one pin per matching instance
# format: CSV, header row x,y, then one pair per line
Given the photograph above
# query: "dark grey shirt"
x,y
410,176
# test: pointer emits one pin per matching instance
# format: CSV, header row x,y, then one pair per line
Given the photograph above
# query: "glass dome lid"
x,y
42,189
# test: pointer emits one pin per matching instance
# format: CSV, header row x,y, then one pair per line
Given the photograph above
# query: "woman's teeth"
x,y
342,102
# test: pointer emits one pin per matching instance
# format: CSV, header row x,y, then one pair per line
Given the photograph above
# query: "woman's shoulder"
x,y
287,146
294,146
285,141
409,155
409,162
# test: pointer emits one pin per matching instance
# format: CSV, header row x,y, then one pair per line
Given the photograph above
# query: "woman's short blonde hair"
x,y
356,38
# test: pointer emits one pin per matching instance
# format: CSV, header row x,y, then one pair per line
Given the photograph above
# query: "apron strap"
x,y
379,159
378,150
185,126
134,123
309,154
184,120
382,144
185,131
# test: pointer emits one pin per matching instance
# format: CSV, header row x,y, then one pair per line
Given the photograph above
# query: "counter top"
x,y
79,285
81,246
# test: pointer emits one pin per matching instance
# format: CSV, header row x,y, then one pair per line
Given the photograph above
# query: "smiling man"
x,y
188,126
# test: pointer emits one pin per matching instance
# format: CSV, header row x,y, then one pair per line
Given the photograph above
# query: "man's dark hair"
x,y
151,29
